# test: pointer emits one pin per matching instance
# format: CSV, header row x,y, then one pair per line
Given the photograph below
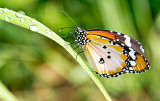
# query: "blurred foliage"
x,y
27,57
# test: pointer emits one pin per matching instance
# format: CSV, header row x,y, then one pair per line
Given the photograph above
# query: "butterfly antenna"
x,y
69,17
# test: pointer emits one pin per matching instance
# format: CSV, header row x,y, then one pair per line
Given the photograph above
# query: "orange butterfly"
x,y
111,53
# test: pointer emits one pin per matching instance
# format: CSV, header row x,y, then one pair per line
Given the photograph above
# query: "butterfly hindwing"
x,y
137,63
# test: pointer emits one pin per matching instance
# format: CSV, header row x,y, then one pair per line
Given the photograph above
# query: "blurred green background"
x,y
35,68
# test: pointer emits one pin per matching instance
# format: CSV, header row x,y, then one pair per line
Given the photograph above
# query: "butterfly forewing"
x,y
122,39
105,58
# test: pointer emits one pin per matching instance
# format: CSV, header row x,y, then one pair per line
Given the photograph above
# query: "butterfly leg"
x,y
73,36
76,47
69,34
80,53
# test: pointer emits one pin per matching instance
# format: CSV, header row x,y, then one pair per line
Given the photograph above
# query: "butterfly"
x,y
111,53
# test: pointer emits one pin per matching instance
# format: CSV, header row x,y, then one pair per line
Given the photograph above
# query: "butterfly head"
x,y
81,36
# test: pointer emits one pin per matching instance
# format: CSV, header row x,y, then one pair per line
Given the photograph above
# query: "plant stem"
x,y
5,94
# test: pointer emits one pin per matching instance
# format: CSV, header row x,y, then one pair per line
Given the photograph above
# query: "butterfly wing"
x,y
106,58
121,39
137,63
111,54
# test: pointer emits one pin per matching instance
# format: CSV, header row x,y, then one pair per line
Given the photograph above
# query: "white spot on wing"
x,y
127,41
122,44
127,71
131,53
117,39
133,63
141,47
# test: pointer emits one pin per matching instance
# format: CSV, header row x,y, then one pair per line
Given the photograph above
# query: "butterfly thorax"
x,y
81,36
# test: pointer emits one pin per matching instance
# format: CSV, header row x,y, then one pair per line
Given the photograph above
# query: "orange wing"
x,y
121,39
139,64
106,34
121,61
